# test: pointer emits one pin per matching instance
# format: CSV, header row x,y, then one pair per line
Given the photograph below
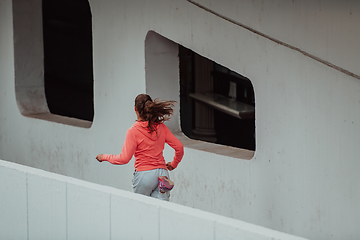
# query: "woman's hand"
x,y
169,167
98,157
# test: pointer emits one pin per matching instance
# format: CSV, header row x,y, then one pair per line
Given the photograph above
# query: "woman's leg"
x,y
147,183
156,192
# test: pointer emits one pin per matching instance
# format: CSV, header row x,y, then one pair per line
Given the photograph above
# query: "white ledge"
x,y
61,119
215,148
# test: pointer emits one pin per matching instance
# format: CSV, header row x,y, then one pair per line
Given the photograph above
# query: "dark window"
x,y
67,33
216,104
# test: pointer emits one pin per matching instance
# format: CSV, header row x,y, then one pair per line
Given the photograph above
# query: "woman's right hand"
x,y
169,167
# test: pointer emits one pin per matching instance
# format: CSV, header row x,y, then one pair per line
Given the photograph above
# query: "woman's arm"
x,y
128,150
175,143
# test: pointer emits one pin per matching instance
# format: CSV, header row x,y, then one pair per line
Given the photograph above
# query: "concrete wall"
x,y
325,29
303,178
40,205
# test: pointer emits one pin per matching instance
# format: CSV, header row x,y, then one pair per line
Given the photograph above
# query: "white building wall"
x,y
325,29
303,178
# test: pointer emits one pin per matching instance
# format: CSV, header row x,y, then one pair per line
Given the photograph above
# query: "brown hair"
x,y
154,112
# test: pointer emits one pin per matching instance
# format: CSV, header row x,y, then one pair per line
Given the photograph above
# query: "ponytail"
x,y
154,112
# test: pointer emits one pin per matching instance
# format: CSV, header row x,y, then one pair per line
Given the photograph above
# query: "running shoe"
x,y
165,184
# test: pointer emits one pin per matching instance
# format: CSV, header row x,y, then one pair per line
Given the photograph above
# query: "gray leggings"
x,y
147,183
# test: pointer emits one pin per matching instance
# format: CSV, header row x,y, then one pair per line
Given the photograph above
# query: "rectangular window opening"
x,y
216,110
67,32
53,61
217,105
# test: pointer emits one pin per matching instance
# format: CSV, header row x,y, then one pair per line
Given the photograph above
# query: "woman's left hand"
x,y
98,157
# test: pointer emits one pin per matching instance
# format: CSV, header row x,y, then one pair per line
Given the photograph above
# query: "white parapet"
x,y
36,204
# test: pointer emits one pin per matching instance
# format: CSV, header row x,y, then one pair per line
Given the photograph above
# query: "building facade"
x,y
301,58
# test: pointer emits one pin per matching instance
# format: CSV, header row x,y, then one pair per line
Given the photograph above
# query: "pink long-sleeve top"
x,y
147,148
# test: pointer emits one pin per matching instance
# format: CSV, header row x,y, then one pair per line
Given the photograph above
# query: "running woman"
x,y
146,141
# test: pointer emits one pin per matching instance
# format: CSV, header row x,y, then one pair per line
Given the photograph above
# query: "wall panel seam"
x,y
340,69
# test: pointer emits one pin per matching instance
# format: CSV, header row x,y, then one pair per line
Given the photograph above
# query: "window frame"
x,y
163,70
29,65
